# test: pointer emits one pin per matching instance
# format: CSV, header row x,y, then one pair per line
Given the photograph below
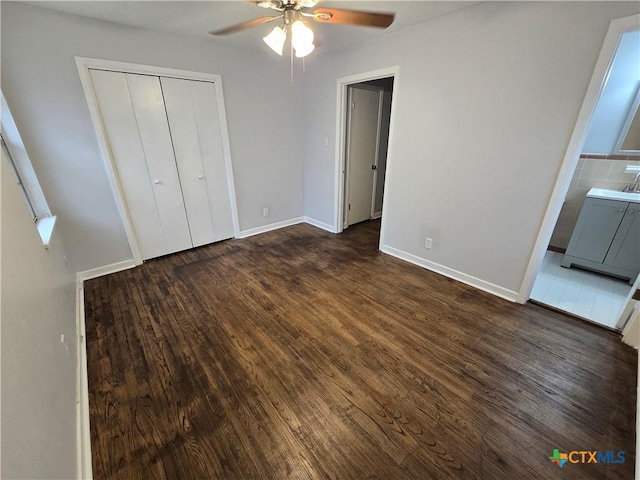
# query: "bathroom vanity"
x,y
606,237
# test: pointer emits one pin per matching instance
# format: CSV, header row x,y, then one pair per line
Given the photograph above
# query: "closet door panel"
x,y
193,115
119,120
148,103
186,144
208,123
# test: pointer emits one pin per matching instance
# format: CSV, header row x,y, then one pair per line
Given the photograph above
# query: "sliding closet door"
x,y
192,111
136,125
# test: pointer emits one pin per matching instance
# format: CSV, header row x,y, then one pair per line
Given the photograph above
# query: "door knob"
x,y
620,210
200,177
631,212
373,167
156,181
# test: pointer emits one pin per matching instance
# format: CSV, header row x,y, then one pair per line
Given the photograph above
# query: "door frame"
x,y
84,64
347,169
617,28
625,321
341,126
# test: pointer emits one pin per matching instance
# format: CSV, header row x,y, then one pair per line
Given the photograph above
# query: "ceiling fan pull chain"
x,y
291,55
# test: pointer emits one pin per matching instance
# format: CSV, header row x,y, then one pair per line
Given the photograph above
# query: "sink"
x,y
614,195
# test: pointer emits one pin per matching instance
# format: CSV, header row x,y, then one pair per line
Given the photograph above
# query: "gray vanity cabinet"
x,y
606,238
625,248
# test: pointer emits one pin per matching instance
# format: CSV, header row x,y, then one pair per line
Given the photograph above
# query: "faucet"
x,y
633,187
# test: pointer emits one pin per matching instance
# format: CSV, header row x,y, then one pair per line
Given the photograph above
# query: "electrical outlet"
x,y
326,141
265,212
428,242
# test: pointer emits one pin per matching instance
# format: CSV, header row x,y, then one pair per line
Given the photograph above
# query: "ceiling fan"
x,y
293,15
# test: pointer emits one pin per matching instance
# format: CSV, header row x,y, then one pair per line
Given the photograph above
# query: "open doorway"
x,y
592,256
367,114
367,134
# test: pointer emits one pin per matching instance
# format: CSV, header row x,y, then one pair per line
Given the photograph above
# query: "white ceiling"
x,y
196,18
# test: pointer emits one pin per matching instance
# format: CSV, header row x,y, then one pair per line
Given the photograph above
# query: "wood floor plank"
x,y
304,355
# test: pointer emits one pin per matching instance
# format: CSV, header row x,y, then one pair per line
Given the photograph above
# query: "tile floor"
x,y
595,297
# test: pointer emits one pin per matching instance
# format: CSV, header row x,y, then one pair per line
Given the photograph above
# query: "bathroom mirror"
x,y
629,141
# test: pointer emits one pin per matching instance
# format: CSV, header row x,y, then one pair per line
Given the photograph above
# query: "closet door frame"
x,y
84,65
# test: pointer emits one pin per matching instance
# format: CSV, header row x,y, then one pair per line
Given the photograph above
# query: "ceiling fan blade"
x,y
244,25
353,17
307,3
272,5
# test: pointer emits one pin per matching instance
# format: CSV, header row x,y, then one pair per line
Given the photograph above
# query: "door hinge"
x,y
353,106
349,207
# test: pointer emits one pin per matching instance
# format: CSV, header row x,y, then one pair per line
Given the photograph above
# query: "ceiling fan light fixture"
x,y
276,39
305,50
301,34
302,39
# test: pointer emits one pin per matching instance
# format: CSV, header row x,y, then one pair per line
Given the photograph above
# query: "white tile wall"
x,y
590,173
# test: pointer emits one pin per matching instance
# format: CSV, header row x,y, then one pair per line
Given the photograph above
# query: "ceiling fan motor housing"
x,y
290,16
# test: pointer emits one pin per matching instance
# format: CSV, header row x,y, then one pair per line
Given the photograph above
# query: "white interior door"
x,y
192,111
362,145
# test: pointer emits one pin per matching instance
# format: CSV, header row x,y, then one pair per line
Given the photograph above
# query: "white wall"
x,y
38,375
617,97
42,88
485,102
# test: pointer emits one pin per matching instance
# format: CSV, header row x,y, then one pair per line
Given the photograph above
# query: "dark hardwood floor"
x,y
305,355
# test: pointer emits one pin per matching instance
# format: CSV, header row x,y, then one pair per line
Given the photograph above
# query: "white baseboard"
x,y
319,224
105,270
83,432
377,215
272,226
454,274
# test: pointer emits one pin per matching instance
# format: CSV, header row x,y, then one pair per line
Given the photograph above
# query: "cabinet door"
x,y
597,225
625,249
192,111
